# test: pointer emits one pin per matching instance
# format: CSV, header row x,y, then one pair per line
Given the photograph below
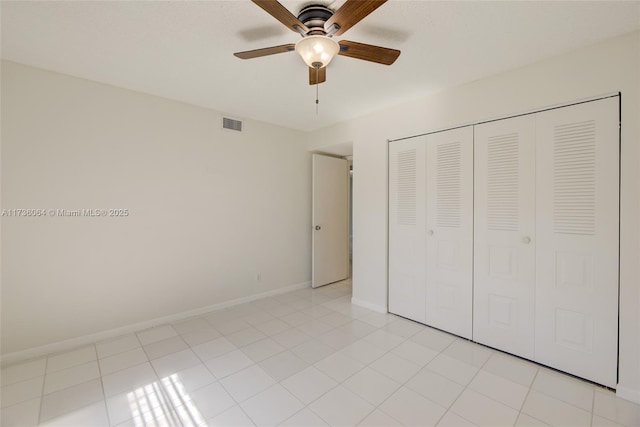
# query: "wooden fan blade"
x,y
367,52
282,14
352,12
266,51
321,75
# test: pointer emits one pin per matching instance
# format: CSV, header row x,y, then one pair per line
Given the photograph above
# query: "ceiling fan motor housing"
x,y
314,16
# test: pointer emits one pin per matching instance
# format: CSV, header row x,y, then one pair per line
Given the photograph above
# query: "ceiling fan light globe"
x,y
317,49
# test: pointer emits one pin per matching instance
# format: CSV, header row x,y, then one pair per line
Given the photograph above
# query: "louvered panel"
x,y
502,182
574,178
406,202
448,185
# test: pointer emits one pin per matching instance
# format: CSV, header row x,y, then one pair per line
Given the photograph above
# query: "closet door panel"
x,y
407,228
504,229
449,226
577,197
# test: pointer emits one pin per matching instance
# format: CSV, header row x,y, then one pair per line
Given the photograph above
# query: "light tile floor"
x,y
304,358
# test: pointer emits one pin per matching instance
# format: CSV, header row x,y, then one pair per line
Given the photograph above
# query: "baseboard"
x,y
72,343
628,394
368,305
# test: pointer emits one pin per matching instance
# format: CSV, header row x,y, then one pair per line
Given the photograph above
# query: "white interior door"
x,y
504,228
407,228
577,202
330,218
449,253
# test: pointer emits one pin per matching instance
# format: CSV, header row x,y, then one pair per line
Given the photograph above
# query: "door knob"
x,y
318,227
526,240
430,232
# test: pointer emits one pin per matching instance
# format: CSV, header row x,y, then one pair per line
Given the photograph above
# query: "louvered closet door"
x,y
577,250
450,230
407,228
504,227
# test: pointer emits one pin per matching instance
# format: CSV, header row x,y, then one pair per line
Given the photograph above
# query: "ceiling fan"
x,y
317,24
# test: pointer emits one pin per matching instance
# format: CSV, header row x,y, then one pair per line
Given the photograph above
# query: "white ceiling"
x,y
183,50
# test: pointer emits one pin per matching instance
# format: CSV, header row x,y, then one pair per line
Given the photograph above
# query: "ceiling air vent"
x,y
231,124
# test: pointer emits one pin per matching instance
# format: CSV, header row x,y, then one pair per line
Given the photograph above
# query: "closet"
x,y
431,229
513,241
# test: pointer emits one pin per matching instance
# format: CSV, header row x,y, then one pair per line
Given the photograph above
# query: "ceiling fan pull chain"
x,y
317,85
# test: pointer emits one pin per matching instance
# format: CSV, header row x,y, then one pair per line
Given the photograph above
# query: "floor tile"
x,y
358,328
23,414
339,367
364,351
21,391
608,405
384,340
570,390
598,421
433,339
158,333
212,349
511,368
309,384
71,376
468,352
283,365
499,389
318,311
164,347
194,338
89,416
335,319
341,407
228,364
435,387
411,409
258,317
304,418
483,411
458,371
70,359
291,338
117,345
272,406
371,385
315,328
211,400
378,419
273,327
403,328
120,361
131,405
453,420
233,417
337,338
280,310
193,378
262,349
232,326
175,362
312,351
192,324
525,420
246,336
415,353
128,379
297,318
71,399
395,367
553,411
23,371
247,383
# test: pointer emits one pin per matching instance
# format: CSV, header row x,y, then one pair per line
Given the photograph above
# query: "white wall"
x,y
613,65
209,209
